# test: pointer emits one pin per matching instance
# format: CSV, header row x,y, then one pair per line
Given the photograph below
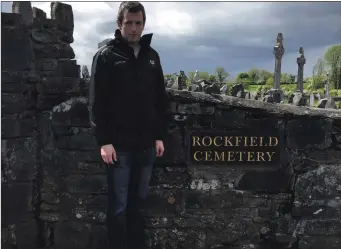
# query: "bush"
x,y
335,92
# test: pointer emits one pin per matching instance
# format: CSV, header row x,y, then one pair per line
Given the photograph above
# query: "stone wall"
x,y
54,185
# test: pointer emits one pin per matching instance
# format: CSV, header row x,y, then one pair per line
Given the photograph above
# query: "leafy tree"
x,y
318,77
264,75
335,71
285,78
221,74
254,75
332,51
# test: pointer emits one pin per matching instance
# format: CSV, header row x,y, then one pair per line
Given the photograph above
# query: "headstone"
x,y
300,62
25,9
182,80
311,100
196,76
85,72
224,90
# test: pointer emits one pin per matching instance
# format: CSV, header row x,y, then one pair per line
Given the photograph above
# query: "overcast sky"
x,y
203,35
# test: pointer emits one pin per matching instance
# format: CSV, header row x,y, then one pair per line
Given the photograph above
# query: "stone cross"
x,y
327,88
300,62
278,52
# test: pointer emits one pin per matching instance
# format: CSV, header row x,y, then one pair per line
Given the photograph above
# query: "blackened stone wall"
x,y
54,185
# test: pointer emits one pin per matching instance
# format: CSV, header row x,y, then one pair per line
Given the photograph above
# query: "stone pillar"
x,y
278,52
300,62
19,146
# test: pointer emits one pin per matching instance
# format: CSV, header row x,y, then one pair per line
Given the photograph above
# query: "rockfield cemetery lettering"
x,y
224,148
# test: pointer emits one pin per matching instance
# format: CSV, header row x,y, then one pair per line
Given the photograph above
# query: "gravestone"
x,y
276,93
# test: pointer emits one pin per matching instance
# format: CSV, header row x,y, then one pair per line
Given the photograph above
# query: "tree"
x,y
264,75
285,78
318,77
335,71
221,74
254,75
329,56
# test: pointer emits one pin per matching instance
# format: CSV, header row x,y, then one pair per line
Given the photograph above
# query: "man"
x,y
128,112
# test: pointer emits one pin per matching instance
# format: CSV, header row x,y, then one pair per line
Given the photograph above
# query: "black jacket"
x,y
128,100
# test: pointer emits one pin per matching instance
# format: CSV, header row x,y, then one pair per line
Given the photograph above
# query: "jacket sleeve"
x,y
98,99
161,104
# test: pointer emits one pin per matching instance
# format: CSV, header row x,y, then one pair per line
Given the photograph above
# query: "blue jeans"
x,y
128,183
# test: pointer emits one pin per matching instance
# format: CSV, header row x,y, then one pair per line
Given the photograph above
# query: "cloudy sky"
x,y
203,35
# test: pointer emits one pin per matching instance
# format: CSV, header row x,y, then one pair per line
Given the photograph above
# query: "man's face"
x,y
132,26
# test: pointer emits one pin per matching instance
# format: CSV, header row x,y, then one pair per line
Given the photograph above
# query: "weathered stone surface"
x,y
300,133
59,85
309,242
25,9
13,127
330,175
18,159
21,235
59,51
19,203
18,55
73,112
38,13
52,165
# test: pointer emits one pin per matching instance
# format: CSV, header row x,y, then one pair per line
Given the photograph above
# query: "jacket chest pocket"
x,y
121,74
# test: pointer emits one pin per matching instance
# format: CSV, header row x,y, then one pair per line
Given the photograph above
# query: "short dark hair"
x,y
133,7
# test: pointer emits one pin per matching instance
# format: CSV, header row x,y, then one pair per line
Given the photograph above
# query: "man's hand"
x,y
108,153
159,148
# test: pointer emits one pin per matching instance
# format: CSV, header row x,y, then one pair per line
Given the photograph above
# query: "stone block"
x,y
25,9
46,64
48,102
73,112
38,13
159,221
11,20
17,103
175,152
18,55
76,184
17,203
59,51
221,199
8,77
224,119
81,141
18,88
195,108
313,242
309,133
265,182
13,127
20,236
19,159
62,13
58,162
164,202
72,235
330,227
177,238
68,68
323,182
43,36
169,178
60,85
317,209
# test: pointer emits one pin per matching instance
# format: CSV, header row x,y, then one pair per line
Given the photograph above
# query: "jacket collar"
x,y
145,40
